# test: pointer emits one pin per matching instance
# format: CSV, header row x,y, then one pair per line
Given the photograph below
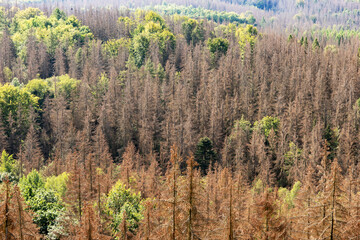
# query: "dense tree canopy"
x,y
57,30
179,122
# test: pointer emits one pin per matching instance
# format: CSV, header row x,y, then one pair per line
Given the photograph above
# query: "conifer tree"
x,y
31,152
333,207
305,212
90,225
77,189
191,200
127,164
15,222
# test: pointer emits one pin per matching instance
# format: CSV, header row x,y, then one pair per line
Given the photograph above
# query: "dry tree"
x,y
90,225
15,221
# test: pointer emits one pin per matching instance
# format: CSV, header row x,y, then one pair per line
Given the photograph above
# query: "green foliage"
x,y
2,19
30,184
313,18
101,87
65,86
28,13
218,45
246,35
258,187
193,31
267,124
44,202
127,21
304,41
290,38
263,4
151,29
198,12
16,102
47,207
39,88
227,31
57,30
9,168
129,25
330,49
241,125
293,155
205,154
287,196
57,184
8,74
154,17
357,103
331,136
113,46
140,46
58,14
338,33
315,44
121,202
16,83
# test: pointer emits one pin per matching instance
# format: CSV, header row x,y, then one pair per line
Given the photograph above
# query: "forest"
x,y
179,120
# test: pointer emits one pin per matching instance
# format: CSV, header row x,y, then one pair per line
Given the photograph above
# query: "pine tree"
x,y
191,201
147,227
15,222
33,63
305,212
77,190
31,152
90,225
59,121
127,164
334,214
205,154
167,208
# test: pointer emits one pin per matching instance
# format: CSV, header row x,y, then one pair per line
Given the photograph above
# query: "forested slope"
x,y
134,124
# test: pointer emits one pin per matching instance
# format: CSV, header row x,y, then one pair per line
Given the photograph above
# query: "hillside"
x,y
179,120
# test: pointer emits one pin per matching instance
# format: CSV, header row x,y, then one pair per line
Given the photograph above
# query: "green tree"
x,y
247,35
267,124
9,168
199,12
39,88
2,19
57,30
113,46
218,45
58,14
193,31
151,30
331,137
292,161
15,106
289,196
139,48
30,184
58,184
152,16
315,44
121,202
45,203
46,207
65,85
205,154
